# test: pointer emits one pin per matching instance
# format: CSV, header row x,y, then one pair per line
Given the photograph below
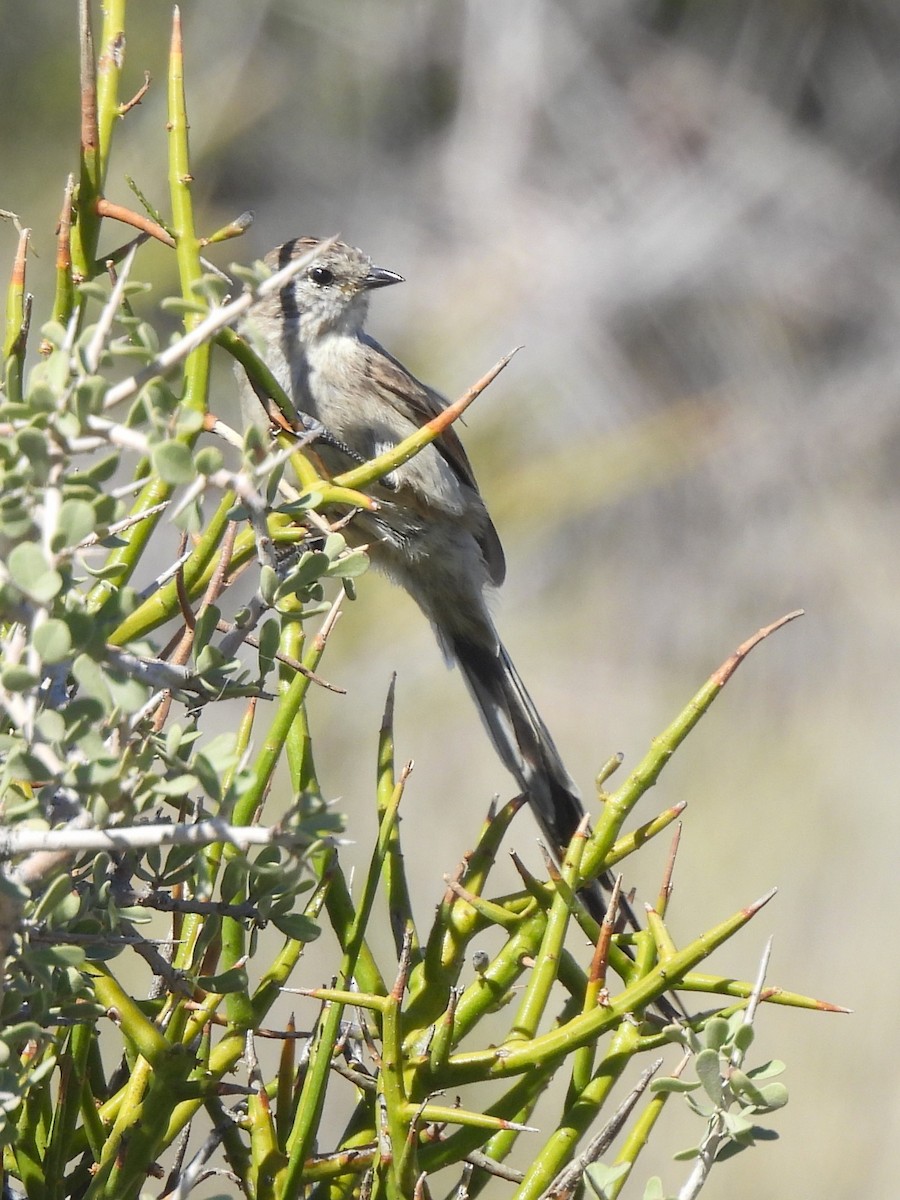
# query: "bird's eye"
x,y
320,275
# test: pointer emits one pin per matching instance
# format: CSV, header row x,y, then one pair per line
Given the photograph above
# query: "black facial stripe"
x,y
289,309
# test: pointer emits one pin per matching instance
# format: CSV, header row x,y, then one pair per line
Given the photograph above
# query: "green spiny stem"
x,y
90,180
637,1137
537,992
457,923
630,842
16,322
510,1060
312,1095
396,884
560,1146
516,1101
620,803
72,1066
122,561
196,573
64,293
109,69
400,1163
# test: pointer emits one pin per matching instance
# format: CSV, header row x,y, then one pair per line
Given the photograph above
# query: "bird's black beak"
x,y
379,277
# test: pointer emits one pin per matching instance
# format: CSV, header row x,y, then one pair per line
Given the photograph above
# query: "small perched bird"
x,y
432,533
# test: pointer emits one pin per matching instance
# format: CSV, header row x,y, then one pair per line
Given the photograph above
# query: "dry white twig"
x,y
140,837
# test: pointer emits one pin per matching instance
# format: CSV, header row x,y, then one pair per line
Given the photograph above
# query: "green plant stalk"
x,y
266,1159
109,69
312,1095
197,571
543,975
127,556
342,915
85,232
444,1037
398,1163
187,244
241,351
130,1111
517,1101
14,336
72,1071
456,924
396,883
196,369
87,1051
328,995
620,803
626,845
284,1090
583,1059
298,745
510,1060
142,1124
500,1146
194,1023
193,924
742,989
64,294
30,1146
338,1174
493,984
637,1137
141,1033
376,468
662,947
560,1146
91,1125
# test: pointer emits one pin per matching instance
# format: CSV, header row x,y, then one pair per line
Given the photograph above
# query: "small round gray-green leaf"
x,y
654,1189
92,679
234,980
745,1088
53,641
268,636
743,1038
268,583
775,1095
206,623
173,462
57,956
602,1177
351,565
76,521
209,460
18,679
767,1070
709,1072
297,926
687,1155
32,445
32,574
673,1085
716,1033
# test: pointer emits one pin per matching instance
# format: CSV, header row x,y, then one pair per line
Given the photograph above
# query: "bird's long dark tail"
x,y
524,744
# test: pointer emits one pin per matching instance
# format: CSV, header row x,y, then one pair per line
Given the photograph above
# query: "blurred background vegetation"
x,y
689,215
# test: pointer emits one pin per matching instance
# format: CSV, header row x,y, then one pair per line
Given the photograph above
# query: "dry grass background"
x,y
689,215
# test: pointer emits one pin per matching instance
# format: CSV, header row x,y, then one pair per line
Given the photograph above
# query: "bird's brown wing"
x,y
418,403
